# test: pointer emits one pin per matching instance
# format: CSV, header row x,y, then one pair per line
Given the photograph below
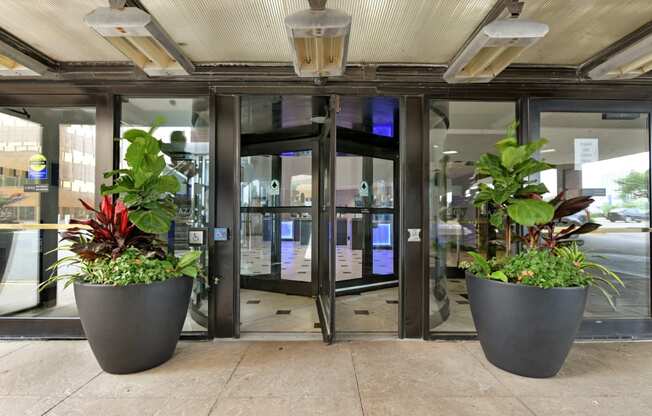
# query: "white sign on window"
x,y
274,187
586,151
363,189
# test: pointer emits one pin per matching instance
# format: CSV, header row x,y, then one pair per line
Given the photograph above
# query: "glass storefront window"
x,y
606,156
184,133
460,132
48,161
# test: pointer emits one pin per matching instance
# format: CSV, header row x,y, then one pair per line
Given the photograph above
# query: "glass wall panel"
x,y
184,133
350,246
382,187
283,180
348,179
606,155
47,163
382,237
459,133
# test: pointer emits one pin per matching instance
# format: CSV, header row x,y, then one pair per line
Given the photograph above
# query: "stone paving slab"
x,y
357,378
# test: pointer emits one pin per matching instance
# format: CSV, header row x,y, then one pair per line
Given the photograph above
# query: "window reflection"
x,y
606,155
460,132
38,201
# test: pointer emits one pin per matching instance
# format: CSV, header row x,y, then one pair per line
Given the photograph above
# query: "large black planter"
x,y
135,327
525,330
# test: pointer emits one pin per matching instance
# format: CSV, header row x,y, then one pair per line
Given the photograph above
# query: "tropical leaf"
x,y
529,212
512,156
151,221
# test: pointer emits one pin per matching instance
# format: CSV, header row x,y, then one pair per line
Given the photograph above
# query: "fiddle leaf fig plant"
x,y
512,195
146,187
550,257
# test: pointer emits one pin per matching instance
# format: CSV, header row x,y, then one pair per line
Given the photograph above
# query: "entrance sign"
x,y
586,151
363,189
38,168
274,187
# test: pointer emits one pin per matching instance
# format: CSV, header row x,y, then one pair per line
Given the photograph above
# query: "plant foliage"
x,y
145,187
550,258
118,245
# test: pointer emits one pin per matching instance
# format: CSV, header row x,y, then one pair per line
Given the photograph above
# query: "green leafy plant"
x,y
550,258
145,187
607,281
512,196
119,244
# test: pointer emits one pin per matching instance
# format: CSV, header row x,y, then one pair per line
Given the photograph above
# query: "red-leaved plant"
x,y
110,233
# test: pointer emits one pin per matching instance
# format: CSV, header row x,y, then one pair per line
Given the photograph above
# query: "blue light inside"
x,y
386,130
382,235
287,230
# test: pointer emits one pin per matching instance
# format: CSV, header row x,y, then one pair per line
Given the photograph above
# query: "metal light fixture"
x,y
140,38
10,67
629,63
319,38
494,47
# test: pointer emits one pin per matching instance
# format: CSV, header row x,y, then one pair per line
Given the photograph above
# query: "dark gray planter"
x,y
525,330
135,327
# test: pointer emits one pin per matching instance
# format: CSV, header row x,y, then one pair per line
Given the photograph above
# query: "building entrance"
x,y
317,219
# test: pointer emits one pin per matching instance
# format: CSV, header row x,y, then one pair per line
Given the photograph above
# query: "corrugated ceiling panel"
x,y
57,28
409,31
581,28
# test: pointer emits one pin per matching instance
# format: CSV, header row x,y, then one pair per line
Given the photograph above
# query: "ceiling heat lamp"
x,y
140,38
494,47
629,63
319,38
11,68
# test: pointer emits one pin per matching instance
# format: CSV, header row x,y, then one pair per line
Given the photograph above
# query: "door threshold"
x,y
281,336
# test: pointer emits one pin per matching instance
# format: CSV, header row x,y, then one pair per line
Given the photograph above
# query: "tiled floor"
x,y
375,311
361,378
255,255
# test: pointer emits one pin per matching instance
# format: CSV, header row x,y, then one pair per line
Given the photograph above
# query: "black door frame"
x,y
604,327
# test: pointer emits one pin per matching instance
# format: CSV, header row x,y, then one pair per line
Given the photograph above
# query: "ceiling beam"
x,y
161,35
26,55
613,49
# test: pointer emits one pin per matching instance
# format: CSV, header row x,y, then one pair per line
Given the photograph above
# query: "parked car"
x,y
578,219
628,215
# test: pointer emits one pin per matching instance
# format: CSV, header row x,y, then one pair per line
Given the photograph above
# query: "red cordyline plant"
x,y
545,236
109,234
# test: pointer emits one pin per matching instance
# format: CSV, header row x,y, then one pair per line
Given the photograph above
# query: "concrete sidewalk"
x,y
310,378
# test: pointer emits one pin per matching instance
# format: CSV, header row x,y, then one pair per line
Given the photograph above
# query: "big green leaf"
x,y
496,219
167,183
189,259
534,188
489,165
529,212
131,134
151,221
503,144
512,156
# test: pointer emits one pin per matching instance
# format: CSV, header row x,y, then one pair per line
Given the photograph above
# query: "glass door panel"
x,y
606,155
327,220
276,223
47,162
185,137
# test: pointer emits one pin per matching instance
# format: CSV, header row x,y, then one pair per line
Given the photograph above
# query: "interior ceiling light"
x,y
9,67
494,47
140,38
629,63
319,38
